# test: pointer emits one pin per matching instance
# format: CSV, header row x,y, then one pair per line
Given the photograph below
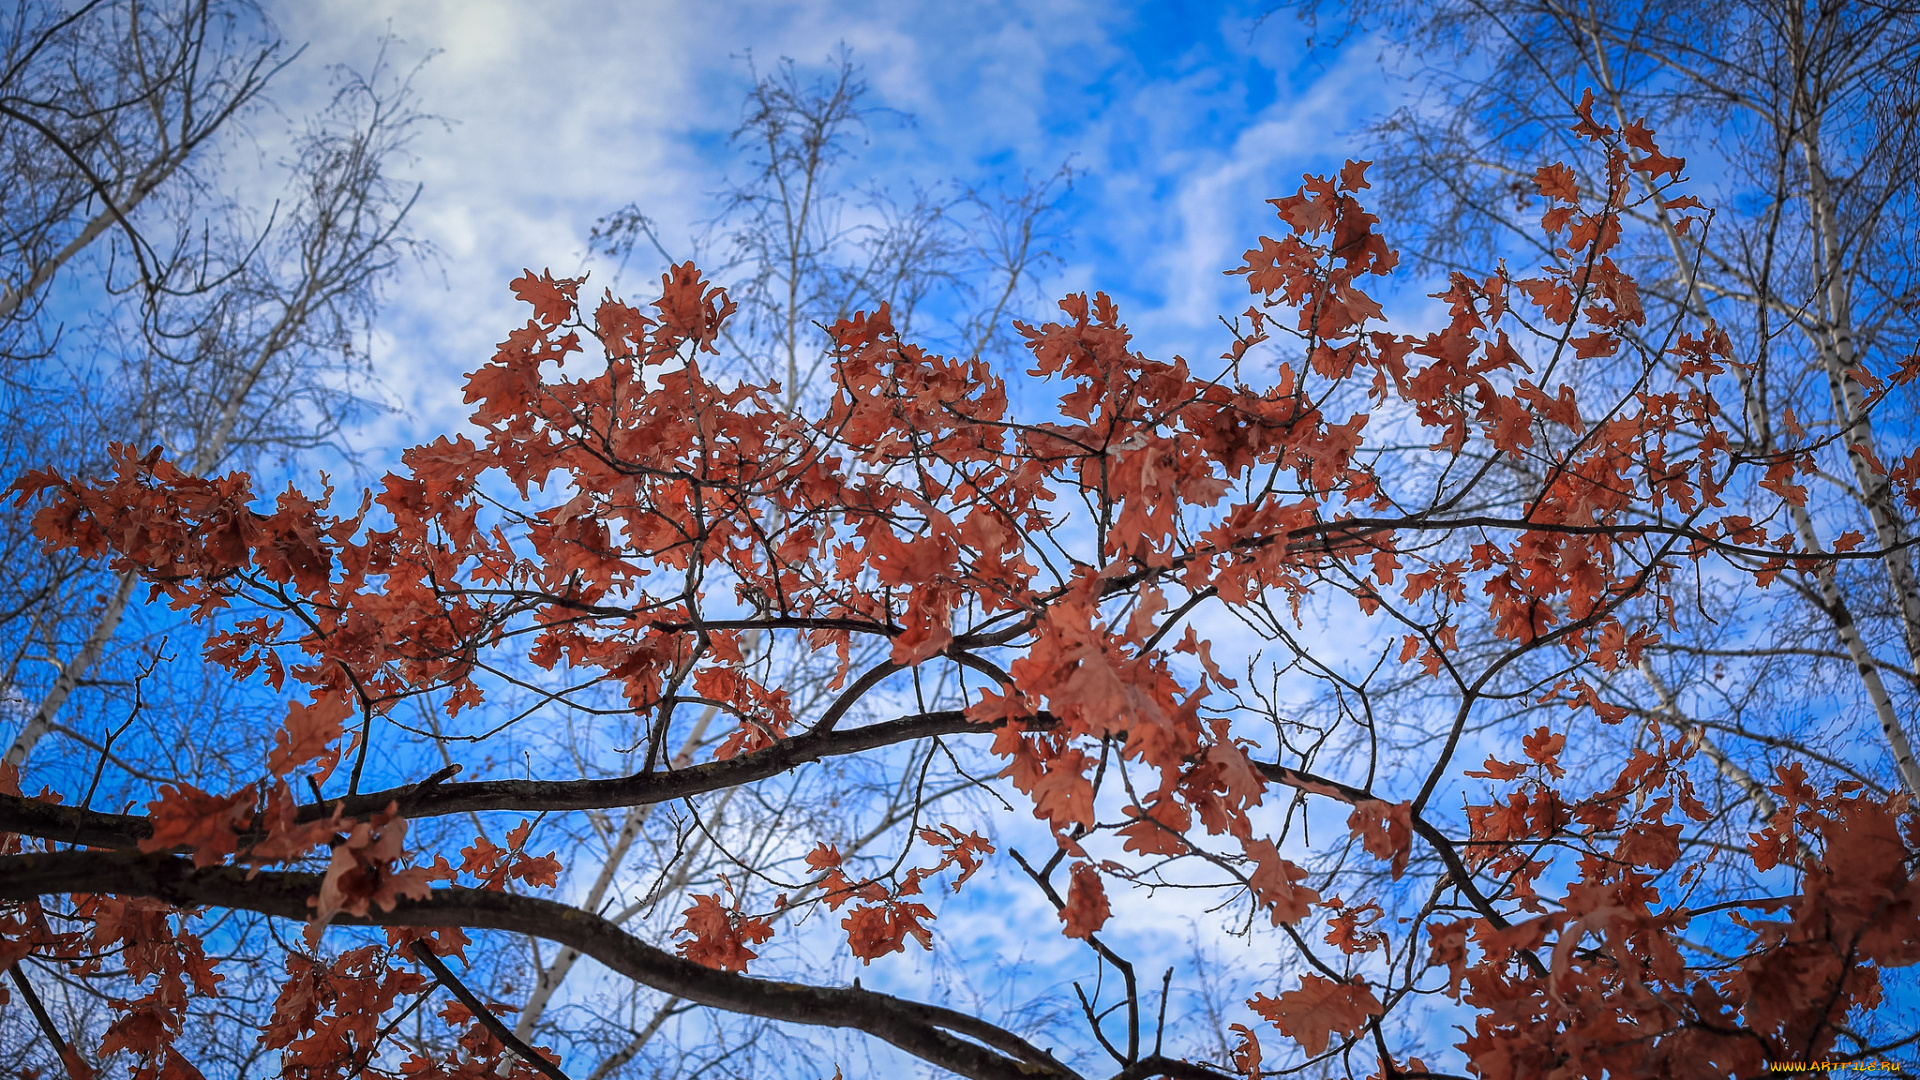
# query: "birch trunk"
x,y
1763,805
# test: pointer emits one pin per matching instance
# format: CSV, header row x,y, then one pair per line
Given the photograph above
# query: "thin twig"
x,y
139,703
485,1015
68,1058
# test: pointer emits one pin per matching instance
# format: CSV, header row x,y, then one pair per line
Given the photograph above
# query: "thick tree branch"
x,y
928,1032
71,825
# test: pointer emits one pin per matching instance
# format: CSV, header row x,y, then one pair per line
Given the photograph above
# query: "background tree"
x,y
173,273
1036,583
144,301
804,245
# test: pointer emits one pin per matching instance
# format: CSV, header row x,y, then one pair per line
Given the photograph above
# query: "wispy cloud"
x,y
1179,124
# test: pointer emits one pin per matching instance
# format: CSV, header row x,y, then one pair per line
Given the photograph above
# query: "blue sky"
x,y
1179,119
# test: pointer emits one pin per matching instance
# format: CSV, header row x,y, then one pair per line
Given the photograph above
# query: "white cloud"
x,y
564,111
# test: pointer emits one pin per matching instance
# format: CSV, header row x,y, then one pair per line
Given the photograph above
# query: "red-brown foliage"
x,y
924,509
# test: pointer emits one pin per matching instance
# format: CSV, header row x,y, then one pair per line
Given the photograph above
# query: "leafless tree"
x,y
107,105
145,302
145,298
805,241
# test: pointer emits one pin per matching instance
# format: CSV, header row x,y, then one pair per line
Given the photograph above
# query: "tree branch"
x,y
71,825
925,1031
483,1014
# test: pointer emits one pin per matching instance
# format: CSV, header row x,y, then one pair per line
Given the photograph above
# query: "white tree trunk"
x,y
1763,804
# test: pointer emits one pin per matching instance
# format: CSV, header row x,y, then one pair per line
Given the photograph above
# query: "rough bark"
x,y
951,1040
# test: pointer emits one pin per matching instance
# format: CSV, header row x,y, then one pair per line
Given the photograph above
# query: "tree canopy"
x,y
1481,524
